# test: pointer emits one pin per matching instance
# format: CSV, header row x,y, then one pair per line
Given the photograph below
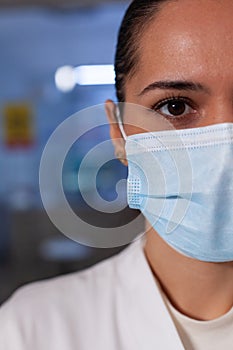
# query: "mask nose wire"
x,y
119,121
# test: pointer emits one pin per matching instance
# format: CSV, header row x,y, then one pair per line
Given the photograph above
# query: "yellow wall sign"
x,y
18,125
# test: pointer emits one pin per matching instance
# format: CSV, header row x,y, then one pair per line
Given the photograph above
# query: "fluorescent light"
x,y
65,78
95,75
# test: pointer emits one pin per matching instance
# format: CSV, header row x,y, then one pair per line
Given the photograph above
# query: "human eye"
x,y
175,107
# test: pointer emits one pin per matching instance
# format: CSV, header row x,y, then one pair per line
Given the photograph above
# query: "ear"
x,y
115,132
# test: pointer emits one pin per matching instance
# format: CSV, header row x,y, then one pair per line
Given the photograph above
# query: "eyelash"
x,y
171,98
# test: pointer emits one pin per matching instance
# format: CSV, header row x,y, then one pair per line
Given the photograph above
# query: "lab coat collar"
x,y
150,322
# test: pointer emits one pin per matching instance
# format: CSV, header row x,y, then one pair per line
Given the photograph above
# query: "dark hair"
x,y
137,17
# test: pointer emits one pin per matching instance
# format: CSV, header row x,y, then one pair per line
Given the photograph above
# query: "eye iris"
x,y
176,107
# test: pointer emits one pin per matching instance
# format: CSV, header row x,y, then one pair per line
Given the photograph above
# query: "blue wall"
x,y
34,43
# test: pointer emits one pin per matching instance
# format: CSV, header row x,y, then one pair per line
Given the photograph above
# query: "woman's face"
x,y
185,68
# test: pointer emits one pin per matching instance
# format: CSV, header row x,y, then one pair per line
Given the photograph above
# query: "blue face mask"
x,y
182,181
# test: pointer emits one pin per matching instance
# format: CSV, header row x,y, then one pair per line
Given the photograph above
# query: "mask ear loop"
x,y
119,121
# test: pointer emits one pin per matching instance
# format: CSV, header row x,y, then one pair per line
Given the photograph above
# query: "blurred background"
x,y
48,50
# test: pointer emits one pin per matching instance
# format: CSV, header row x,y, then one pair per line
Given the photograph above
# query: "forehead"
x,y
188,39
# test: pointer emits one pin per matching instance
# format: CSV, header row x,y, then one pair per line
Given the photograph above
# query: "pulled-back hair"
x,y
136,19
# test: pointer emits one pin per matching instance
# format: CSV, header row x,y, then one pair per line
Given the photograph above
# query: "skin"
x,y
189,40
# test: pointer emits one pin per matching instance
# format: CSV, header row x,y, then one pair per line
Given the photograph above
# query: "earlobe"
x,y
121,157
115,132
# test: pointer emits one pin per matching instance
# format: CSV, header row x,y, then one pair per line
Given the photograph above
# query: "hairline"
x,y
157,7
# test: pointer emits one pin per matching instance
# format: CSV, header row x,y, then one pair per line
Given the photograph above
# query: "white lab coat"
x,y
115,305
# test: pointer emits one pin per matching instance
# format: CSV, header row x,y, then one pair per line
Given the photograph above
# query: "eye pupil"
x,y
176,107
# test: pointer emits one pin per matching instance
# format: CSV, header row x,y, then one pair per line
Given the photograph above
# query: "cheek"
x,y
132,130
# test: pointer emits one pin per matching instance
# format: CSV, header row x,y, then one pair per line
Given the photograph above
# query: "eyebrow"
x,y
181,85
